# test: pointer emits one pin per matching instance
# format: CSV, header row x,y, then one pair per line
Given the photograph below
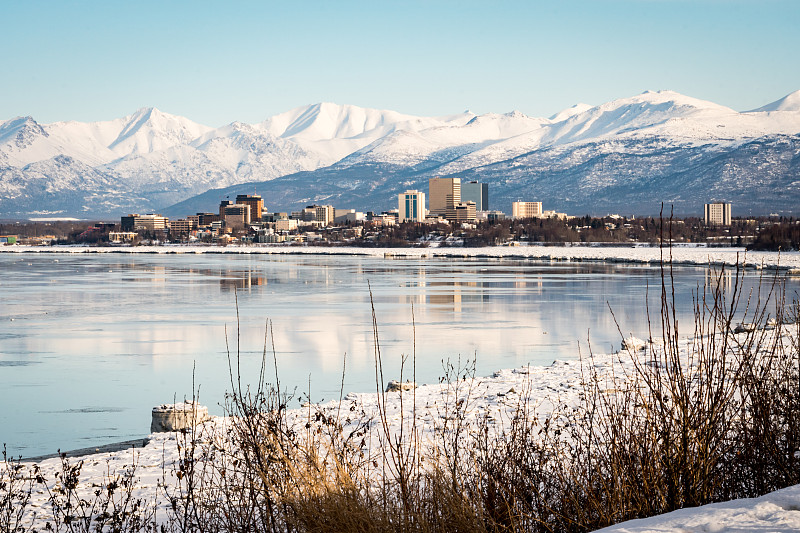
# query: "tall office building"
x,y
236,215
474,191
256,205
718,213
443,194
324,214
411,206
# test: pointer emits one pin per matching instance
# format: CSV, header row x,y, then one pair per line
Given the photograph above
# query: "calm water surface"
x,y
90,343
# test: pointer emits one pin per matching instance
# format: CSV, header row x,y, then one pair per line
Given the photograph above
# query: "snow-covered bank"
x,y
495,399
776,512
639,254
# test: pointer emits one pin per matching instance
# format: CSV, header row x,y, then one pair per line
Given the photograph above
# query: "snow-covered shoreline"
x,y
495,399
686,255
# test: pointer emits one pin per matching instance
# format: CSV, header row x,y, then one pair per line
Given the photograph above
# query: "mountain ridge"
x,y
150,159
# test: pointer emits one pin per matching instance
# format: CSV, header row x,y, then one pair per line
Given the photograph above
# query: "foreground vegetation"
x,y
687,424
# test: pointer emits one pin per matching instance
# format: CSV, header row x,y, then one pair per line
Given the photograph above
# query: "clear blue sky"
x,y
216,62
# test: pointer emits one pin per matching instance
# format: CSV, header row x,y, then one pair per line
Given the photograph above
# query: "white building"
x,y
718,213
342,216
411,206
526,209
286,224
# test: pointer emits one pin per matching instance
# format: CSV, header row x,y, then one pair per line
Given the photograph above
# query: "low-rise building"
x,y
285,224
149,222
493,216
273,217
554,214
182,226
461,212
383,220
526,209
344,216
121,237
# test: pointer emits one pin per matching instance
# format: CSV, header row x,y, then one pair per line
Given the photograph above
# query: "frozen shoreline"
x,y
686,255
495,398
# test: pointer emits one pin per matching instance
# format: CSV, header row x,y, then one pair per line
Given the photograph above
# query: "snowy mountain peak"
x,y
570,111
667,97
326,121
790,102
20,131
149,129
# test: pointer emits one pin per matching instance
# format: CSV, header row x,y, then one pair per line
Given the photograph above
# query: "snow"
x,y
685,255
570,111
790,102
776,512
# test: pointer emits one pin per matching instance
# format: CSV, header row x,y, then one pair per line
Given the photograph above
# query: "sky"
x,y
217,62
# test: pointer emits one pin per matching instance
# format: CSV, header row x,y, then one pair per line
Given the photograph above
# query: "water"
x,y
90,343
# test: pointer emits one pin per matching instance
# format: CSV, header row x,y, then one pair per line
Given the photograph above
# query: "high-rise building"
x,y
411,206
474,191
324,214
236,215
718,213
256,205
443,194
526,209
222,205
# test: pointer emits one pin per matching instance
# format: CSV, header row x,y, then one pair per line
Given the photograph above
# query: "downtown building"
x,y
444,199
443,194
476,192
718,214
411,206
235,216
256,204
526,209
150,222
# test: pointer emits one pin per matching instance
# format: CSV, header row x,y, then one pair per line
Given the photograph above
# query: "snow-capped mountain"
x,y
790,102
636,151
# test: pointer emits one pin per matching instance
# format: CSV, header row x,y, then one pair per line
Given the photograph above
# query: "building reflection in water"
x,y
719,279
241,280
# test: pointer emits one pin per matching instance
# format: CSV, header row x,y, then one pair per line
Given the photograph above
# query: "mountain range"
x,y
625,156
